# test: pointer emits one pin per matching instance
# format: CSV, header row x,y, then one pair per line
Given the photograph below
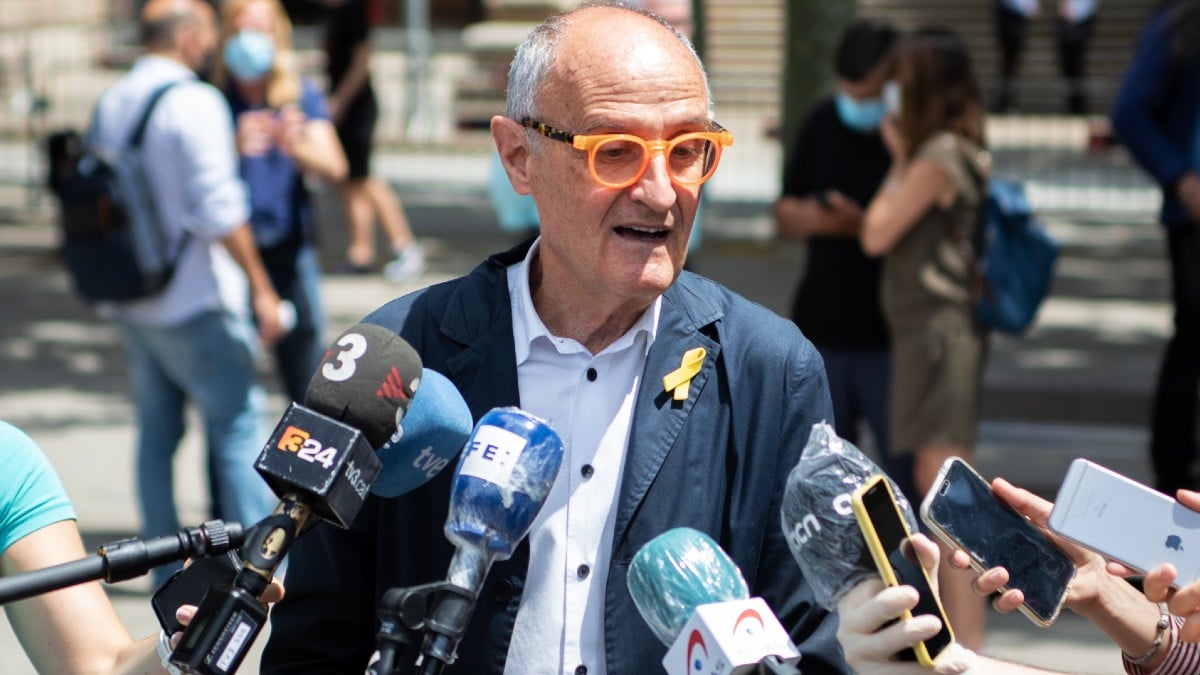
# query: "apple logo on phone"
x,y
1174,542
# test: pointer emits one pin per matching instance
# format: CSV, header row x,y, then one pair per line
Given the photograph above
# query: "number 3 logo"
x,y
354,346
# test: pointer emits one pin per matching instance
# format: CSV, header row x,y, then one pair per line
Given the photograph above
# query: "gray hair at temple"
x,y
536,54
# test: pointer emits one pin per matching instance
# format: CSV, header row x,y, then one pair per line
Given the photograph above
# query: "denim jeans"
x,y
299,352
209,361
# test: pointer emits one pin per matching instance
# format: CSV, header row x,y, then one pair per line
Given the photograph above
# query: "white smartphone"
x,y
1126,521
962,511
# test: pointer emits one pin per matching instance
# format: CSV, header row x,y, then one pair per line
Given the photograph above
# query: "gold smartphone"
x,y
888,538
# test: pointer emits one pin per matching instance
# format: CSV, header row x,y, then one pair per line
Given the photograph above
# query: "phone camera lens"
x,y
944,488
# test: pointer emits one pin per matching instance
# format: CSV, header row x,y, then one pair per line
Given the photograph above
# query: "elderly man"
x,y
609,127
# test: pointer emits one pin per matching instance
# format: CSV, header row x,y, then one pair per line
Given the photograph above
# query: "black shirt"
x,y
346,28
837,302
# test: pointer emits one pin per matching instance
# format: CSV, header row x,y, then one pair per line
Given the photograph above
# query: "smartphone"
x,y
188,586
963,512
888,538
1125,521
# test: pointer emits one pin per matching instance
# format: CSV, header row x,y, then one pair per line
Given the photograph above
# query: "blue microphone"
x,y
503,478
434,430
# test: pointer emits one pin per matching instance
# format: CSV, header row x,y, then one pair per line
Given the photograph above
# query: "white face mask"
x,y
891,97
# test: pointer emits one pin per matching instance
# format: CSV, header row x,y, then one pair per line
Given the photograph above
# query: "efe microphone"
x,y
501,482
320,461
696,602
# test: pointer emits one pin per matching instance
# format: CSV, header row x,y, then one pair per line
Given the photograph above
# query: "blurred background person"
x,y
283,132
1074,24
1156,115
835,165
928,204
355,111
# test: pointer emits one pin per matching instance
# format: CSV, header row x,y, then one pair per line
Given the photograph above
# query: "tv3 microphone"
x,y
501,482
320,461
695,600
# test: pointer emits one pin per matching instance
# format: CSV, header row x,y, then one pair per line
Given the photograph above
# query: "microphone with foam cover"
x,y
695,600
435,429
321,462
502,480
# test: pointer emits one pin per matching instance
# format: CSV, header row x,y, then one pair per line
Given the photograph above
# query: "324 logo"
x,y
307,448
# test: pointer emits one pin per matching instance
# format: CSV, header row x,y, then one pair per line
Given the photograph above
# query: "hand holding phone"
x,y
188,586
889,540
962,511
1125,521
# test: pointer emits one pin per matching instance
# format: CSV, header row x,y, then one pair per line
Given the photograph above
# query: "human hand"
x,y
872,632
1091,570
184,614
255,133
1188,189
289,127
847,213
1184,602
268,314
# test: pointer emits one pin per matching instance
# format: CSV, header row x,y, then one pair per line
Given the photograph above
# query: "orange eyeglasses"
x,y
619,160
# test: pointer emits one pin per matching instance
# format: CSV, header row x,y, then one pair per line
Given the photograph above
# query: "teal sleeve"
x,y
31,494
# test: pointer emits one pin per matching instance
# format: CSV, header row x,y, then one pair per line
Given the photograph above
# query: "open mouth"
x,y
642,233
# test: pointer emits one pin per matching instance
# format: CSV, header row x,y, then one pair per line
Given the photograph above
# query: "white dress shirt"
x,y
588,399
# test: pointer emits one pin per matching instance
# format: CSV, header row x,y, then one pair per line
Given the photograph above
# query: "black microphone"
x,y
320,461
125,559
501,482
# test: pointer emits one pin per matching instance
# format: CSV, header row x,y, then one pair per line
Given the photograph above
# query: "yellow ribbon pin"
x,y
679,378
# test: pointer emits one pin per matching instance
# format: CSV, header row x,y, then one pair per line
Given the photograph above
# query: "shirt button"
x,y
591,376
581,669
583,571
586,471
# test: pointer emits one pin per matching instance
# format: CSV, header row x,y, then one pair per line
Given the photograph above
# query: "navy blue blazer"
x,y
1157,112
716,462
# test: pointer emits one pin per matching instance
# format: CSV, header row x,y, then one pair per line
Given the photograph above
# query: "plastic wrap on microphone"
x,y
818,521
433,432
502,480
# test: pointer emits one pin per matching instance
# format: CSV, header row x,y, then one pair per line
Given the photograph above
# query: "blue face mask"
x,y
249,55
861,116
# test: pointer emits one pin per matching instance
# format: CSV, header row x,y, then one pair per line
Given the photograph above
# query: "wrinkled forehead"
x,y
616,59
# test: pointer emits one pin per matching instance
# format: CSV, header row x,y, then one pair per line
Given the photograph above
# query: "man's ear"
x,y
513,147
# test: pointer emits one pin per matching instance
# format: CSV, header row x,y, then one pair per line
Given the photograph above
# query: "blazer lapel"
x,y
658,418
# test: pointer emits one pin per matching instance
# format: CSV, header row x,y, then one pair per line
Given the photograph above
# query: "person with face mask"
x,y
195,341
836,164
283,133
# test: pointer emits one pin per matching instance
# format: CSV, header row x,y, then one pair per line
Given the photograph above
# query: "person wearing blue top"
x,y
1156,114
283,133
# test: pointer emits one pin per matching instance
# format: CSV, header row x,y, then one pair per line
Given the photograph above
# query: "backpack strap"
x,y
139,130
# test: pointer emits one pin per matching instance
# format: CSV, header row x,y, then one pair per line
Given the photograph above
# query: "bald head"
x,y
165,23
588,45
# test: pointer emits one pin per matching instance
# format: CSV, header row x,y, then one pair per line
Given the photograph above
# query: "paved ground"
x,y
1077,386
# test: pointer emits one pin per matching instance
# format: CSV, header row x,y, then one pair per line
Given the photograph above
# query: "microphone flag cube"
x,y
317,456
728,638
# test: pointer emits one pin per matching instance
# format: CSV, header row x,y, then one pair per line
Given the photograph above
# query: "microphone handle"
x,y
124,559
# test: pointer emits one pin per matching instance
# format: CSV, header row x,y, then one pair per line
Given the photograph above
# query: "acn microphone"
x,y
320,461
695,600
501,482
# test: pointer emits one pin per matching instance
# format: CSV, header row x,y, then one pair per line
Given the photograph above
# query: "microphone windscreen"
x,y
434,430
818,521
676,572
502,479
366,379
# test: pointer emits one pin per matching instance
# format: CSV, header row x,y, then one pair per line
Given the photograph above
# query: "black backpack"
x,y
111,243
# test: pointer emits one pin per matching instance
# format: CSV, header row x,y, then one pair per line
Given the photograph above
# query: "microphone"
x,y
696,602
435,429
501,482
125,559
321,463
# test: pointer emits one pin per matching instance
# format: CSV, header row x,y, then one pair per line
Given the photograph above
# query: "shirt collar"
x,y
528,328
